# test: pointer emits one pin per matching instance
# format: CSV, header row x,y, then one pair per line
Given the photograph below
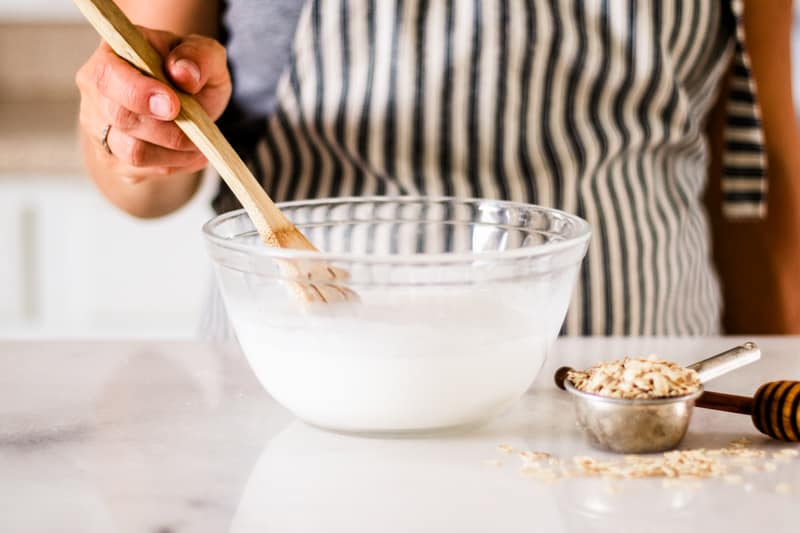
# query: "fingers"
x,y
162,41
143,139
134,156
198,65
166,134
139,153
197,62
118,81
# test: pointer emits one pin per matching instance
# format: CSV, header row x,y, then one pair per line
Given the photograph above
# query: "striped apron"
x,y
595,107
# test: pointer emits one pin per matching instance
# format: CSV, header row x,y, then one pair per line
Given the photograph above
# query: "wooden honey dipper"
x,y
775,408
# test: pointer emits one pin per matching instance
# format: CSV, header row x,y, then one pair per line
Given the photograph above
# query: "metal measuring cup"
x,y
647,425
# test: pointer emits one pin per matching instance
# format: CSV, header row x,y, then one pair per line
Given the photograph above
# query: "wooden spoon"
x,y
272,225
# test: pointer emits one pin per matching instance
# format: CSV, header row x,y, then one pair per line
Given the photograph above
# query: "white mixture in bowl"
x,y
410,362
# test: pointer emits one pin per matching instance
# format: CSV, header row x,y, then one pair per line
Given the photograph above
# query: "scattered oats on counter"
x,y
505,448
636,378
529,457
694,463
734,479
741,442
677,467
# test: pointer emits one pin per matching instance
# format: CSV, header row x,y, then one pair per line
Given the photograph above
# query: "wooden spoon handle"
x,y
129,43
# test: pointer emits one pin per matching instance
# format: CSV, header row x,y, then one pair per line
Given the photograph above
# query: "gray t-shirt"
x,y
258,35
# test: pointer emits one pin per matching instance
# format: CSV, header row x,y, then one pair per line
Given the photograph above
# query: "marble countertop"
x,y
163,437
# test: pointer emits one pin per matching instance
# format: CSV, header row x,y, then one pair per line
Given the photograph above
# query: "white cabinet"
x,y
73,266
15,268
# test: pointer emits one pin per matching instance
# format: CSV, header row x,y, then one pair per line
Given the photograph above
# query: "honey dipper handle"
x,y
129,43
776,410
725,402
561,376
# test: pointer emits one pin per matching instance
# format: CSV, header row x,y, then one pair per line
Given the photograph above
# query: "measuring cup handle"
x,y
724,362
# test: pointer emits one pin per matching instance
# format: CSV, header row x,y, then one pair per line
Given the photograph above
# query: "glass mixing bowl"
x,y
459,302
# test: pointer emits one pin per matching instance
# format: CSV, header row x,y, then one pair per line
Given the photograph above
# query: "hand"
x,y
142,139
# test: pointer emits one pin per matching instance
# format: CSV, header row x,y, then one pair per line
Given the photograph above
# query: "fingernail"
x,y
159,105
190,67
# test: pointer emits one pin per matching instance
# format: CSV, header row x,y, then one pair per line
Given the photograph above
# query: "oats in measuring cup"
x,y
636,378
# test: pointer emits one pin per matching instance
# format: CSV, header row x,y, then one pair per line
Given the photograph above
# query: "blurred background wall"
x,y
71,265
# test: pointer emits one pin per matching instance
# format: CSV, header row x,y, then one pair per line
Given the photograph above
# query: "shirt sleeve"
x,y
744,163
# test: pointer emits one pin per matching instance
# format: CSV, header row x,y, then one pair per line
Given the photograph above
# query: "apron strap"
x,y
744,172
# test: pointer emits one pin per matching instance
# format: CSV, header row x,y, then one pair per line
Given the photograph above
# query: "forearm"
x,y
782,240
773,74
759,271
759,260
141,195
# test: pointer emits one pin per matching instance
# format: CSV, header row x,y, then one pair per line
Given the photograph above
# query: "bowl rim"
x,y
592,397
584,232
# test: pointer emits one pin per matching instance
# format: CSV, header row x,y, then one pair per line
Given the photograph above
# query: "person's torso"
x,y
595,107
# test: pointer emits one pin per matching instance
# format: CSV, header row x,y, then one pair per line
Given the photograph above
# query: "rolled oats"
x,y
533,456
739,443
683,468
636,378
505,448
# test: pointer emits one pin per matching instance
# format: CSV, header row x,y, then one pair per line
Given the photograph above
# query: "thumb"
x,y
198,62
162,41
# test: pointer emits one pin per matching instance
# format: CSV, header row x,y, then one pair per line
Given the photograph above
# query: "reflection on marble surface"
x,y
173,437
